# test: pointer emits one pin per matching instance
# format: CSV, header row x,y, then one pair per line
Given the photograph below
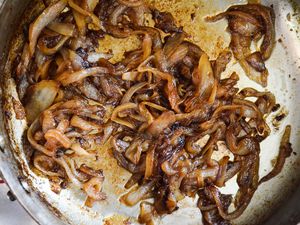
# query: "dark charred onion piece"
x,y
208,207
245,146
266,14
222,210
245,23
165,21
285,150
221,63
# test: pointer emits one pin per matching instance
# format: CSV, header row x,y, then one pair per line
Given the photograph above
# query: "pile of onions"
x,y
164,108
249,23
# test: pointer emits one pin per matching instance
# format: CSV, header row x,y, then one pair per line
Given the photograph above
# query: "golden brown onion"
x,y
95,20
66,29
93,188
117,110
49,14
134,196
69,77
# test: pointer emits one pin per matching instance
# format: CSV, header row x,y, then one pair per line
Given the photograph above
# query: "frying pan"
x,y
274,203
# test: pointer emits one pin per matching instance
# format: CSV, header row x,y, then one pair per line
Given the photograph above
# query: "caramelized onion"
x,y
41,96
78,122
285,151
42,21
134,196
234,214
163,108
162,122
246,22
59,137
79,150
127,97
93,188
150,162
116,13
66,29
69,77
146,213
33,127
170,89
126,106
45,164
51,51
71,176
94,18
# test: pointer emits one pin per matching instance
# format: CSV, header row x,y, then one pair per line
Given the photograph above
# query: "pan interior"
x,y
283,66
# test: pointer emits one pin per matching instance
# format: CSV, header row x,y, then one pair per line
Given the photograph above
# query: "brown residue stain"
x,y
115,176
211,37
19,109
117,220
273,161
118,46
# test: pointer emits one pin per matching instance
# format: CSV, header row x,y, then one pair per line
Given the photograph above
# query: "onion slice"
x,y
66,29
48,15
69,77
128,95
134,196
94,18
285,150
120,108
41,96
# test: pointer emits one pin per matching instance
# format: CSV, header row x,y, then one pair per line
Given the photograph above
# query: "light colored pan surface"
x,y
284,82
